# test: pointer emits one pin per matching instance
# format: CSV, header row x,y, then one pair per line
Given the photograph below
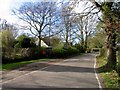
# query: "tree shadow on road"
x,y
64,68
58,68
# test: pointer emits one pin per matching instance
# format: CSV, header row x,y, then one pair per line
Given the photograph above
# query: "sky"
x,y
6,7
5,10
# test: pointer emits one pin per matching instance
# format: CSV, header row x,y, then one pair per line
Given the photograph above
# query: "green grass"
x,y
110,77
11,66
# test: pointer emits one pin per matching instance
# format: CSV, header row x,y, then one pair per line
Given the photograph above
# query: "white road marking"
x,y
24,75
96,75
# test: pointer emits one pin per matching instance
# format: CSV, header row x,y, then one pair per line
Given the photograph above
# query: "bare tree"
x,y
110,20
37,16
85,26
67,22
79,23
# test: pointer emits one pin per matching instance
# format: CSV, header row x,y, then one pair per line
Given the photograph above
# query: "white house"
x,y
43,44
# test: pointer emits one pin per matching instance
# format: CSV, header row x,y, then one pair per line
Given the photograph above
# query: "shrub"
x,y
88,50
17,45
60,52
72,50
24,41
118,68
10,55
103,52
80,48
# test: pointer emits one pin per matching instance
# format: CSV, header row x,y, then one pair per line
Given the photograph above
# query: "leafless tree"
x,y
37,16
110,18
67,18
85,26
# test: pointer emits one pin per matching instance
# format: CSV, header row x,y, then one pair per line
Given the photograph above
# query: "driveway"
x,y
75,72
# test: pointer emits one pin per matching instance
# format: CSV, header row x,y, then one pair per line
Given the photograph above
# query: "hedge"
x,y
10,55
62,53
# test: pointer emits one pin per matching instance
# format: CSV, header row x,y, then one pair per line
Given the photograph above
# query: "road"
x,y
75,72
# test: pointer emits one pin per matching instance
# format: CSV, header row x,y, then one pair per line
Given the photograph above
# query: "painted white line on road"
x,y
96,75
24,75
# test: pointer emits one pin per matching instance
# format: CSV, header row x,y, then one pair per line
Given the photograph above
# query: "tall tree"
x,y
85,25
80,28
37,16
67,21
110,18
110,21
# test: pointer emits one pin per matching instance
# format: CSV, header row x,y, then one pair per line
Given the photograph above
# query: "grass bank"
x,y
11,66
110,77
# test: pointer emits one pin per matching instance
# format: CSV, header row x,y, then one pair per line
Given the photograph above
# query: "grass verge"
x,y
11,66
110,77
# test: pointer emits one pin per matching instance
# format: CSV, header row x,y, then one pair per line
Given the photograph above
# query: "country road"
x,y
75,72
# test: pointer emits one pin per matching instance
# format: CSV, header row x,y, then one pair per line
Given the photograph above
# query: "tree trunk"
x,y
82,39
39,43
111,58
86,37
111,50
67,43
118,69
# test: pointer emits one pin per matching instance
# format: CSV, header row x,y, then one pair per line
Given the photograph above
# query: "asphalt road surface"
x,y
75,72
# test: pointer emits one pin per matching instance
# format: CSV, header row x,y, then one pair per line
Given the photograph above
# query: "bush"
x,y
24,41
17,45
60,52
103,52
80,48
72,50
88,50
10,55
118,68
